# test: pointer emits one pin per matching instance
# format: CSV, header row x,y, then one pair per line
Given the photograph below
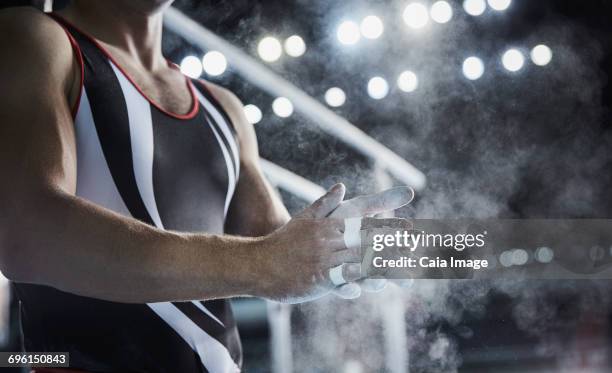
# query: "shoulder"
x,y
33,43
234,109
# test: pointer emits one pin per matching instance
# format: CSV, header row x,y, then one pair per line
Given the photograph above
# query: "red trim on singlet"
x,y
195,102
79,56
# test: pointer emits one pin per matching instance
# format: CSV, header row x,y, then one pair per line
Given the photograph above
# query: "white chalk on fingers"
x,y
352,233
336,276
373,285
348,291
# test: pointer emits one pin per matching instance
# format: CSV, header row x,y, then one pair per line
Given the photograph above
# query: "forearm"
x,y
66,242
256,209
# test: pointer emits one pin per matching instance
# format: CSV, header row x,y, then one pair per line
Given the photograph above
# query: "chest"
x,y
174,172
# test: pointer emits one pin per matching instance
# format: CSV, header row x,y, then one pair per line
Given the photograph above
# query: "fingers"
x,y
352,233
344,273
326,204
388,200
347,291
373,285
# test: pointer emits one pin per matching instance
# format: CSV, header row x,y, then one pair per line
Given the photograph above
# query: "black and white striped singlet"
x,y
172,171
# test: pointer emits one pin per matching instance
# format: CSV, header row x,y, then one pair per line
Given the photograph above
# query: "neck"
x,y
133,31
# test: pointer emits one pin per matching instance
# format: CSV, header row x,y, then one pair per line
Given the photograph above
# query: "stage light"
x,y
407,81
473,68
441,12
295,46
541,55
505,258
474,7
214,63
513,60
269,49
544,255
378,88
520,257
252,113
371,27
416,15
499,4
282,107
335,97
191,66
348,33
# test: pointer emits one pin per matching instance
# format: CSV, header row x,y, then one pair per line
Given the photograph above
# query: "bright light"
x,y
441,12
348,33
191,66
335,97
416,15
519,257
544,254
282,107
499,4
378,88
473,68
269,49
513,60
371,27
474,7
295,46
252,113
541,55
214,63
505,258
407,81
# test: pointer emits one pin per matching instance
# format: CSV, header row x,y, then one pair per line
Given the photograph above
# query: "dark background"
x,y
535,143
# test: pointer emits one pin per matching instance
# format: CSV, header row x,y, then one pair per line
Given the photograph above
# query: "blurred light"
x,y
214,63
335,97
473,68
474,7
407,81
191,66
544,255
378,88
541,55
371,27
348,33
282,107
499,4
295,46
269,49
519,257
505,259
416,15
441,12
252,113
513,60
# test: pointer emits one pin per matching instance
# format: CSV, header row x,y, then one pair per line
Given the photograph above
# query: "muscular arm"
x,y
51,237
256,208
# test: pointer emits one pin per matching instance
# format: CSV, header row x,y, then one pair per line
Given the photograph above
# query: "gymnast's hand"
x,y
359,207
297,258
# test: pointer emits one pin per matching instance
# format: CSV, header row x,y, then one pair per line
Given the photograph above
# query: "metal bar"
x,y
290,182
266,79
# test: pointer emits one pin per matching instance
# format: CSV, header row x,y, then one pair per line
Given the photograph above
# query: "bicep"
x,y
36,131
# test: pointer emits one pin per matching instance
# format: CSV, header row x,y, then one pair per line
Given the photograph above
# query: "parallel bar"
x,y
290,182
266,79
